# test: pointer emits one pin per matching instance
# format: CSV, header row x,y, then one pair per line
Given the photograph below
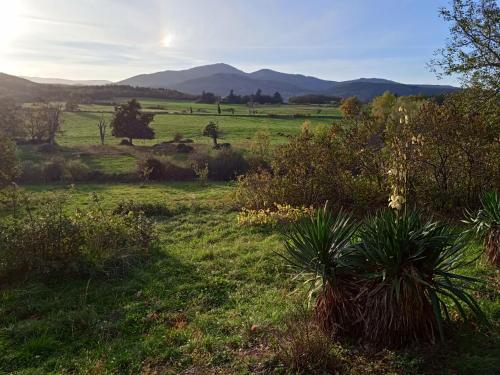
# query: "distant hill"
x,y
70,82
23,90
221,78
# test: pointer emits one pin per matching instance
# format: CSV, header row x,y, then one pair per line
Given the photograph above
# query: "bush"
x,y
183,148
282,214
31,172
50,241
54,170
78,171
8,161
227,165
303,348
47,148
151,169
46,243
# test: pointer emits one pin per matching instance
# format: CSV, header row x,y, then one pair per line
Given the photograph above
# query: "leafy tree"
x,y
8,161
131,123
218,108
473,48
350,107
212,130
277,98
382,106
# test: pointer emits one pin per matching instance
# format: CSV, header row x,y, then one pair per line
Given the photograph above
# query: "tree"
x,y
129,122
71,106
8,161
102,125
10,119
53,121
277,98
212,130
34,124
473,48
218,108
350,107
382,106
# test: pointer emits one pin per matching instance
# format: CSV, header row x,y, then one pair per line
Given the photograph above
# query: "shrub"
x,y
77,170
409,269
282,214
31,172
183,148
47,148
8,161
177,137
227,165
146,208
151,169
54,170
50,241
46,243
485,224
304,348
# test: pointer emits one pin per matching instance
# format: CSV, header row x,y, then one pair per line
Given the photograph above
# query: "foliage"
x,y
411,267
212,130
227,165
46,240
8,161
77,170
281,214
472,49
261,144
102,126
350,107
130,122
485,224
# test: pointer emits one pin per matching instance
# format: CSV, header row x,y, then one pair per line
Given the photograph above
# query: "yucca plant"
x,y
410,268
485,224
318,247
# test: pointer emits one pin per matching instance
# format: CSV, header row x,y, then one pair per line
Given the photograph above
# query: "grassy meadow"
x,y
211,299
214,295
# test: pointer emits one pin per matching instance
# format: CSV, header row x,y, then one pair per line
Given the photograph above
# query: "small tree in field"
x,y
212,131
130,122
102,125
53,122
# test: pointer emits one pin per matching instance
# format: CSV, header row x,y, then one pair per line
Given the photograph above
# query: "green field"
x,y
192,305
80,136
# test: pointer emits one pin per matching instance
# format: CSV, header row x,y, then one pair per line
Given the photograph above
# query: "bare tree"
x,y
53,121
34,124
102,125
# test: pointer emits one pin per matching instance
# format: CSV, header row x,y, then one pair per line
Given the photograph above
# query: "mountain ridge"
x,y
220,78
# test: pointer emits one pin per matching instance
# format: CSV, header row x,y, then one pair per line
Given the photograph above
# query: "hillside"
x,y
221,78
70,82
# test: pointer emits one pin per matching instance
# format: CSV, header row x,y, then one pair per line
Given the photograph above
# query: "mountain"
x,y
221,78
70,82
171,78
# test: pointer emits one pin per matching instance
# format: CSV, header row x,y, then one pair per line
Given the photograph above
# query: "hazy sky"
x,y
115,39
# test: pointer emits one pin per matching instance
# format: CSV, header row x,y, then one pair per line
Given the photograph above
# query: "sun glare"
x,y
10,22
167,40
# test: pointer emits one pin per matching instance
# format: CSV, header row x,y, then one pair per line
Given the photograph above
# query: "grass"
x,y
192,306
80,136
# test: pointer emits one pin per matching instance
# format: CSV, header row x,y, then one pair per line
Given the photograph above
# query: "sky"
x,y
115,39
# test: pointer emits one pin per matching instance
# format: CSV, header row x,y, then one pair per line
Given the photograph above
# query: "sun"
x,y
10,22
168,40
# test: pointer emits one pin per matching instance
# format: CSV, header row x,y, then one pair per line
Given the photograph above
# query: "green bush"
x,y
54,170
227,165
77,170
50,241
